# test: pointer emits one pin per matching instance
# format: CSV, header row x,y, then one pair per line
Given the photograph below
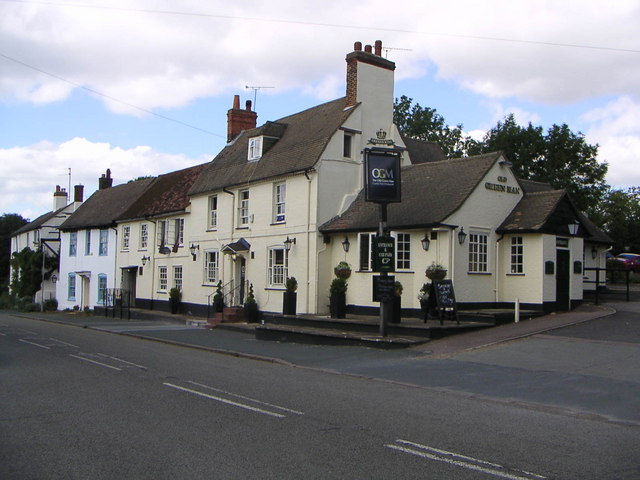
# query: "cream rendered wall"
x,y
528,286
483,212
577,254
133,256
599,262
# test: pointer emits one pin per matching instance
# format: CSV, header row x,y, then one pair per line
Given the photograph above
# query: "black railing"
x,y
609,275
117,300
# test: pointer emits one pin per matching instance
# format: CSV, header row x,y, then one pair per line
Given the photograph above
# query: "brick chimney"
x,y
361,78
59,198
239,120
105,181
78,193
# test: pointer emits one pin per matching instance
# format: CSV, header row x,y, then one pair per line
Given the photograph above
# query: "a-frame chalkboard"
x,y
442,299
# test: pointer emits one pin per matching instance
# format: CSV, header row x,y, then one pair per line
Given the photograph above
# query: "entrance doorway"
x,y
563,279
240,275
128,283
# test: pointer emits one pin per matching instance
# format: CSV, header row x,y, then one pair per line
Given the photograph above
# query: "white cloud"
x,y
29,191
616,128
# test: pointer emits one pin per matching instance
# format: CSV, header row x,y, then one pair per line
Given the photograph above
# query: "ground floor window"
x,y
102,289
517,255
478,253
277,271
365,251
177,277
403,251
162,275
71,287
211,266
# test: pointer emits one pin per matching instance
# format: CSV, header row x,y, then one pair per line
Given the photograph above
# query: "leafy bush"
x,y
338,285
51,305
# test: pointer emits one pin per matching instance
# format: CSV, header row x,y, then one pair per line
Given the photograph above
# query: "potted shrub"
x,y
423,297
435,271
175,297
342,270
290,296
397,302
338,298
251,306
218,298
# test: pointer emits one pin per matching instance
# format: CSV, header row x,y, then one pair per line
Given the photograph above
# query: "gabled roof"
x,y
300,140
103,207
167,194
38,222
431,192
533,212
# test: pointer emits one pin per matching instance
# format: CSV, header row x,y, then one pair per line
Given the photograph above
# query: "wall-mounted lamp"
x,y
594,252
288,242
145,260
54,278
425,242
193,249
346,244
573,228
462,235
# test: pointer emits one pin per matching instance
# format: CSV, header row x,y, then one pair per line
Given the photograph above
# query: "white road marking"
x,y
224,400
64,343
463,461
122,361
33,343
96,363
266,404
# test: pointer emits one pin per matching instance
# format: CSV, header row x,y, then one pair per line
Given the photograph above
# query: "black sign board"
x,y
383,286
384,253
382,176
442,300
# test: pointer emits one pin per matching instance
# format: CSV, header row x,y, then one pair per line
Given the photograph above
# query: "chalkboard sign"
x,y
383,287
442,299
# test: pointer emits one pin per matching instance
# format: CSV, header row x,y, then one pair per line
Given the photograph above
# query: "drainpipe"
x,y
306,174
496,289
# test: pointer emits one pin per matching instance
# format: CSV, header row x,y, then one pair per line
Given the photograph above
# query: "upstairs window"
x,y
144,235
243,208
126,237
255,149
104,242
179,239
347,145
213,212
73,244
279,202
87,243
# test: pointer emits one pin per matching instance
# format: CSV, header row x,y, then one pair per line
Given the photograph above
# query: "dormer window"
x,y
255,149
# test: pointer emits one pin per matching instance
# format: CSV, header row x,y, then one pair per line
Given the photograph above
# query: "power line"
x,y
330,25
104,95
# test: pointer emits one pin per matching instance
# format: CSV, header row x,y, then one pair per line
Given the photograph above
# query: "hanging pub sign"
x,y
384,253
382,176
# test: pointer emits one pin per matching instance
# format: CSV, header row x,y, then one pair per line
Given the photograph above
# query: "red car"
x,y
630,261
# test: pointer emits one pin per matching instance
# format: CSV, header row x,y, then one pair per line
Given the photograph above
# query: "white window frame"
x,y
178,277
280,202
144,236
365,241
126,237
163,232
163,278
213,212
179,232
103,249
277,271
211,267
516,256
243,208
403,251
73,244
254,152
478,252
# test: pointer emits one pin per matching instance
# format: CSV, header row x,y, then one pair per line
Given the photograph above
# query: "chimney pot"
x,y
78,193
105,181
367,48
239,120
378,47
357,46
248,106
236,102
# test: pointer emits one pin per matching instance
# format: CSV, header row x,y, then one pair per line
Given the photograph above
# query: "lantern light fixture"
x,y
426,242
462,235
288,243
193,249
346,244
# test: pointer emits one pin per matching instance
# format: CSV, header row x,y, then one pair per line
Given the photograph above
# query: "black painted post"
x,y
385,301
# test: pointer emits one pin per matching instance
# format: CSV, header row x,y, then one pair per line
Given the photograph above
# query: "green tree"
x,y
9,223
619,215
427,124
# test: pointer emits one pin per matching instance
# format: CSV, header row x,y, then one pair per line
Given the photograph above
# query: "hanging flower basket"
x,y
342,270
435,271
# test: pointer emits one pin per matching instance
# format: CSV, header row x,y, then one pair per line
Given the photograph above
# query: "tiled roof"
x,y
421,151
38,222
103,207
167,194
532,212
431,192
530,186
302,139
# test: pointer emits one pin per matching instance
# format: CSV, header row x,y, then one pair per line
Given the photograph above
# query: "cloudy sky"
x,y
143,86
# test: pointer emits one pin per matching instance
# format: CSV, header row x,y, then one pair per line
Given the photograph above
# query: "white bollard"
x,y
516,314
